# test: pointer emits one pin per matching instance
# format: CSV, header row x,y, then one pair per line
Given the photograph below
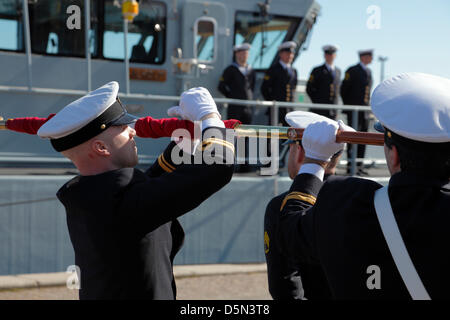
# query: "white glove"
x,y
187,145
195,103
319,140
344,127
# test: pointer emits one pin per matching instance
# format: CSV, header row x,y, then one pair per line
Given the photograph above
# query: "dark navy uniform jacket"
x,y
323,87
288,278
123,226
338,228
355,88
279,84
235,85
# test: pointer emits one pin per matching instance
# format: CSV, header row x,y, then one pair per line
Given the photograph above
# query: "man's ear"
x,y
301,154
100,148
394,158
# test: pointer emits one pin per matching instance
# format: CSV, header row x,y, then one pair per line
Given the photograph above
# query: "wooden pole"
x,y
369,138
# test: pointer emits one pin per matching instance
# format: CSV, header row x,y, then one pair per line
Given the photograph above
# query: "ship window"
x,y
11,25
57,27
205,39
265,34
146,34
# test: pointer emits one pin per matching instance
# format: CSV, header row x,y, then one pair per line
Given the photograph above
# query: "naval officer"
x,y
280,80
238,82
377,242
355,90
287,278
123,222
323,83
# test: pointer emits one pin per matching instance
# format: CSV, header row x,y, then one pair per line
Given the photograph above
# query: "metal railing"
x,y
273,105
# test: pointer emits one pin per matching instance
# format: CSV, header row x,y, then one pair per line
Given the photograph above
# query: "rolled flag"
x,y
146,127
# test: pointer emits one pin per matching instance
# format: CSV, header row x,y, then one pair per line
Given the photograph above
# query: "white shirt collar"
x,y
243,69
330,67
284,65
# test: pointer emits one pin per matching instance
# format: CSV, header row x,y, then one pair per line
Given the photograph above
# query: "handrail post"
x,y
354,146
275,155
126,60
274,114
26,24
87,15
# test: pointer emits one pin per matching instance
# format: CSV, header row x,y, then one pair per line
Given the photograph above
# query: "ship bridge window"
x,y
205,39
11,26
265,34
146,34
56,30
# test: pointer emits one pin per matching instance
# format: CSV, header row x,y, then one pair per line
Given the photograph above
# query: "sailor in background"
x,y
355,90
238,82
377,242
280,80
323,83
123,222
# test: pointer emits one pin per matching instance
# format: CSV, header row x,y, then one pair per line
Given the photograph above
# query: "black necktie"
x,y
289,70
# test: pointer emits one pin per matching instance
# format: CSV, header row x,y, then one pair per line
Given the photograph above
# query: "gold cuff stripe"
x,y
162,165
299,196
167,162
206,143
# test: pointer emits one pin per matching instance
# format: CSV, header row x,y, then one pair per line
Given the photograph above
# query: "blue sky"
x,y
413,34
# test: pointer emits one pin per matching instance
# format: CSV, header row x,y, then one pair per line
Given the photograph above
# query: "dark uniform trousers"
x,y
355,90
123,223
235,85
323,87
279,84
338,228
287,278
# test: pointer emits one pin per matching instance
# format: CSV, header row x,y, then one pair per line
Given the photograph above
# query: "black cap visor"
x,y
378,126
114,115
125,118
288,50
288,142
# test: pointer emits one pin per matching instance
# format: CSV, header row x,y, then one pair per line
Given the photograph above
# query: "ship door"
x,y
203,43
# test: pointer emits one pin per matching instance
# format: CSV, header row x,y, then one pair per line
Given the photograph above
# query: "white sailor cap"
x,y
242,47
302,119
86,117
330,49
287,46
365,52
415,106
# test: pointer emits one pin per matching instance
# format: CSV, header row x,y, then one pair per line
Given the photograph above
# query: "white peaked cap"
x,y
287,45
242,47
86,117
415,106
365,51
301,119
330,47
